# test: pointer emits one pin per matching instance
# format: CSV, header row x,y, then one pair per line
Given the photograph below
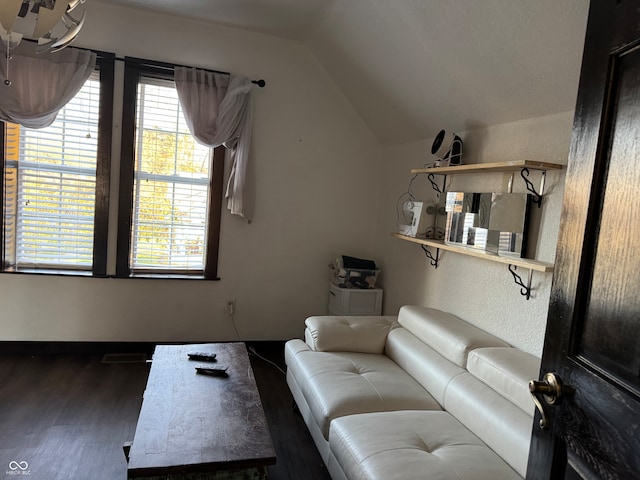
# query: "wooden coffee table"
x,y
197,427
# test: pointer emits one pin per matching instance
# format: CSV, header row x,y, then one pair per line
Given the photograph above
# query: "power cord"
x,y
233,322
408,196
252,351
401,200
229,312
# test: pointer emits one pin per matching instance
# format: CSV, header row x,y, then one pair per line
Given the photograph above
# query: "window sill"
x,y
84,273
166,276
53,271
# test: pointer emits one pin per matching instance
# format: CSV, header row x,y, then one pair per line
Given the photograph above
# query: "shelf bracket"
x,y
537,197
434,261
525,290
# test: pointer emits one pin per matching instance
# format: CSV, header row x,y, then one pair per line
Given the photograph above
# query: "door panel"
x,y
614,302
593,327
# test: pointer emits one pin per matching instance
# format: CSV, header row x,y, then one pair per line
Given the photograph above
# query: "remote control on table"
x,y
202,356
213,371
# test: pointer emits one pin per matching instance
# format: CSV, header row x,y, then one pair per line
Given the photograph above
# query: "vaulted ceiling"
x,y
413,67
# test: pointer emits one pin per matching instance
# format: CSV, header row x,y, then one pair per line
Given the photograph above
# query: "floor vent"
x,y
124,358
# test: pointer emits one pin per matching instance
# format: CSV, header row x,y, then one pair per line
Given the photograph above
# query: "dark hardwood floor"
x,y
66,417
297,456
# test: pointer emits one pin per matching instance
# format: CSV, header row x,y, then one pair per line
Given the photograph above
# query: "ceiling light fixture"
x,y
48,21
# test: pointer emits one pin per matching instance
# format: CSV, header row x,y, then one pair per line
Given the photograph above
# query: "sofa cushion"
x,y
447,334
348,334
340,383
412,445
428,367
503,426
507,371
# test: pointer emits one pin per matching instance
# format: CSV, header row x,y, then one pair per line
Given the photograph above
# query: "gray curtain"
x,y
41,84
218,111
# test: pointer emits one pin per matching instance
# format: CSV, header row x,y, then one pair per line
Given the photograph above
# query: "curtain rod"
x,y
169,66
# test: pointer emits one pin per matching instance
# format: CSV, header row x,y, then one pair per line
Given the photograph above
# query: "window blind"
x,y
171,185
54,187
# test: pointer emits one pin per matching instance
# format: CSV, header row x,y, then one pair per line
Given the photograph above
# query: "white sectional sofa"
x,y
423,395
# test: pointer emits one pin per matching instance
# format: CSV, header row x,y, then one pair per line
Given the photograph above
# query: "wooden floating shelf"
x,y
516,261
511,166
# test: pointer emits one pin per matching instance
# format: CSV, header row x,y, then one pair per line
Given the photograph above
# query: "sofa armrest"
x,y
362,334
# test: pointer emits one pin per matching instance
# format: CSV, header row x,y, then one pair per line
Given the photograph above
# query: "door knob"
x,y
551,389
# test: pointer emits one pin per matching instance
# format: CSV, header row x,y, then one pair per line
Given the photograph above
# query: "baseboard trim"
x,y
102,348
75,348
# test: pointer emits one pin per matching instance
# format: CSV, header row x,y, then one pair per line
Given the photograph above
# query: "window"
x,y
170,199
55,185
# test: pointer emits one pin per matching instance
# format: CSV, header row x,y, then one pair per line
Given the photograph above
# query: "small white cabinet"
x,y
354,301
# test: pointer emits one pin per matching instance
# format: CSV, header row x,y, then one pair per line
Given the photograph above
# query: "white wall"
x,y
315,170
323,186
478,291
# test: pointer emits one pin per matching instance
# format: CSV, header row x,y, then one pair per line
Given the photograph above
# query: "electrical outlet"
x,y
230,308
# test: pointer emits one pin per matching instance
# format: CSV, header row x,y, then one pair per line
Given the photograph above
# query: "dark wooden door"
x,y
592,340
